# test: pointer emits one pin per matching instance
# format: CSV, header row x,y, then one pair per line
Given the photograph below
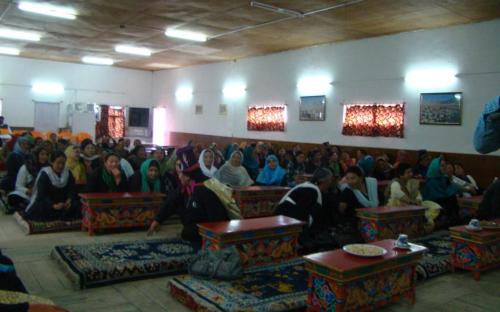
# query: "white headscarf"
x,y
206,171
234,176
56,180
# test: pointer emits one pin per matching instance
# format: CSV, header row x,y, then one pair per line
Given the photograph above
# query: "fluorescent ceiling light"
x,y
9,51
314,85
431,78
47,88
97,60
184,94
19,35
234,90
184,34
162,65
47,9
133,50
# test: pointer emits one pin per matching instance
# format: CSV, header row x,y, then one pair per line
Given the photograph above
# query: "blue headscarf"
x,y
269,176
17,147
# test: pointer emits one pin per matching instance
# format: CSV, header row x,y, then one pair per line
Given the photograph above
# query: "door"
x,y
46,116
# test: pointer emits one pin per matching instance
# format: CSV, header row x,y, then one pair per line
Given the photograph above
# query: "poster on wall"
x,y
312,108
266,118
222,109
198,110
441,108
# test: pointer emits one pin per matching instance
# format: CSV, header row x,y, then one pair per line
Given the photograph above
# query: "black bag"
x,y
224,264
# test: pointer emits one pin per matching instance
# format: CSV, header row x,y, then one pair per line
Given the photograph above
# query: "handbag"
x,y
224,264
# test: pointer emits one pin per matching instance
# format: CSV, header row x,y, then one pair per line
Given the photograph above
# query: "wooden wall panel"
x,y
482,167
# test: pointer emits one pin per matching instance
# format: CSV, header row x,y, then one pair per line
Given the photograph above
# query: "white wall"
x,y
83,83
365,70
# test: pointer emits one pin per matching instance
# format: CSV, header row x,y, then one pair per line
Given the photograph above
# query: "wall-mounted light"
x,y
47,9
314,85
234,90
431,78
186,35
47,88
9,51
97,60
184,94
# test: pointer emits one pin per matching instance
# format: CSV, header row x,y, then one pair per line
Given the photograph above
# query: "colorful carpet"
x,y
276,287
107,263
36,227
437,260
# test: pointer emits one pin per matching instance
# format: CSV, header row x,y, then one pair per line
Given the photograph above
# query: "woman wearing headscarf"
x,y
110,178
89,156
15,161
159,155
206,161
233,173
54,195
250,161
438,188
148,178
21,196
76,166
357,192
272,174
137,156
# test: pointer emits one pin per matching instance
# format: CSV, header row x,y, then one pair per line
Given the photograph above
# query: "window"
x,y
138,117
1,107
116,122
266,118
386,120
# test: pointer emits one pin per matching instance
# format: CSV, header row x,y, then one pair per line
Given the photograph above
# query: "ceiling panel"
x,y
236,29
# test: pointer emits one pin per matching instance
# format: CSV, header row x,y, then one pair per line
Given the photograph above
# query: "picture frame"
x,y
222,109
444,108
198,110
312,108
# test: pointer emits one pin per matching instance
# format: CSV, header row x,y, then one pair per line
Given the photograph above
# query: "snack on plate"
x,y
364,250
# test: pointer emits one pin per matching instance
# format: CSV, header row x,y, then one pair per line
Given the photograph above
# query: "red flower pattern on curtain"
x,y
266,118
112,122
385,120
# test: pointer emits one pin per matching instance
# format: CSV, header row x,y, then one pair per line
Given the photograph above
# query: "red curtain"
x,y
385,120
112,122
266,118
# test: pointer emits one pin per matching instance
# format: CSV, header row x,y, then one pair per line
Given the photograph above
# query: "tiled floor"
x,y
452,292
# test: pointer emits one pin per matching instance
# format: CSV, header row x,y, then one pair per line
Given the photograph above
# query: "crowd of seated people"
x,y
44,178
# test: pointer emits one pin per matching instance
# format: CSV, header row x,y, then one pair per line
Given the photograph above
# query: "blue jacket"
x,y
487,134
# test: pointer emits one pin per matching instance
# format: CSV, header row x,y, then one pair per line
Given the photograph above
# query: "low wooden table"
x,y
119,210
259,241
469,206
258,201
475,251
339,281
388,222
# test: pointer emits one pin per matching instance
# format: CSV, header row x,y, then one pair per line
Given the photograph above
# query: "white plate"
x,y
473,228
364,250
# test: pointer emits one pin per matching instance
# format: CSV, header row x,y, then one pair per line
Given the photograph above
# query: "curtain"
x,y
102,127
116,123
385,120
266,118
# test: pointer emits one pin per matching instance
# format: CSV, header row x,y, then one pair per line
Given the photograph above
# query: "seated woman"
x,y
404,190
334,165
233,173
14,162
489,208
20,198
109,178
305,202
439,189
75,164
383,170
54,195
272,174
206,161
201,204
357,192
465,180
89,157
148,178
137,156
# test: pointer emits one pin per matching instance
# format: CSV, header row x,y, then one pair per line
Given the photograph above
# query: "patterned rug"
x,y
437,260
36,227
276,287
107,263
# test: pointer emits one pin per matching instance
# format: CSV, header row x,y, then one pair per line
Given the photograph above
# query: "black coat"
x,y
96,184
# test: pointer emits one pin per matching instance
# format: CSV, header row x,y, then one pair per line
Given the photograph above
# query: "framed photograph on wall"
x,y
198,109
441,108
312,108
222,109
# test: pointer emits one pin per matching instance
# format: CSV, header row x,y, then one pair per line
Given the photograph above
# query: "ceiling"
x,y
235,28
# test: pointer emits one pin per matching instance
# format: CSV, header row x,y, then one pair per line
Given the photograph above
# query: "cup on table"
x,y
474,223
402,240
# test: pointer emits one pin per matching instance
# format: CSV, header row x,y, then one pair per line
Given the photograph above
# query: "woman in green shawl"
x,y
148,179
438,188
110,178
